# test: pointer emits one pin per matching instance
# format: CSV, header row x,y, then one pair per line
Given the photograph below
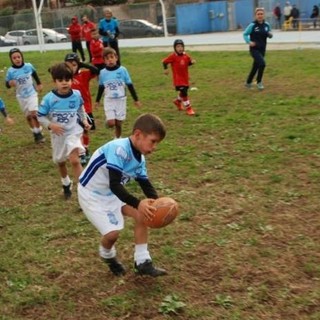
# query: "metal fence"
x,y
50,18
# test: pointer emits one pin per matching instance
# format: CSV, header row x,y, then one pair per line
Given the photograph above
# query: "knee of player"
x,y
112,236
111,123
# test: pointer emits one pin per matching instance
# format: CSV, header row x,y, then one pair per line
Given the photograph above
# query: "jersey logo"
x,y
72,104
112,218
121,153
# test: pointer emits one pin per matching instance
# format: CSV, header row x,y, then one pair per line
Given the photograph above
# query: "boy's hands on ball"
x,y
146,208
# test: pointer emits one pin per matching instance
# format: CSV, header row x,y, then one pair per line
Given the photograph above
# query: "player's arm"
x,y
37,80
165,65
147,188
94,70
99,93
270,35
10,83
247,32
36,77
119,190
133,92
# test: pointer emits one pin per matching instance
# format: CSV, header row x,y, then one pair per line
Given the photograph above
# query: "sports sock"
x,y
141,253
66,181
36,130
107,253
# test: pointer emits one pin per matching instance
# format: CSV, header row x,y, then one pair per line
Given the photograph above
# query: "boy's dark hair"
x,y
61,71
108,50
149,123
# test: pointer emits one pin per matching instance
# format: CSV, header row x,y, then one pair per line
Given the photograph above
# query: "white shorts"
x,y
115,108
29,104
63,145
104,212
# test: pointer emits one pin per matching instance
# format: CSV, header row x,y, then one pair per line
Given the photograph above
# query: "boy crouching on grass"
x,y
105,200
61,111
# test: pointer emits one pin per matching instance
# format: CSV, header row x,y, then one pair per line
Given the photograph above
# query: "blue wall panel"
x,y
244,13
202,17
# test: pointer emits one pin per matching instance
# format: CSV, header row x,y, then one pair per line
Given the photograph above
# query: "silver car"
x,y
16,35
49,36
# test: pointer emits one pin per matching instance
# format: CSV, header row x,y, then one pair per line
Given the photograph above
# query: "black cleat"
x,y
39,138
67,191
148,269
115,266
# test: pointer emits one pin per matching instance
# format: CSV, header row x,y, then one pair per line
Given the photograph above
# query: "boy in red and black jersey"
x,y
180,62
82,74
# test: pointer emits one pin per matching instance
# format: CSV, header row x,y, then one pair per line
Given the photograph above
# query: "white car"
x,y
16,35
49,36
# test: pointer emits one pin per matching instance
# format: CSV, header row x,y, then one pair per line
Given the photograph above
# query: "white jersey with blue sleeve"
x,y
24,82
114,82
117,155
64,110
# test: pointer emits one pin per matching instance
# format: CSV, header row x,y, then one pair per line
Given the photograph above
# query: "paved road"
x,y
216,40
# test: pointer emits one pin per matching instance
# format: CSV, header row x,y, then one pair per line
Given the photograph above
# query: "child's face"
x,y
16,59
95,35
63,86
110,60
72,65
179,48
146,143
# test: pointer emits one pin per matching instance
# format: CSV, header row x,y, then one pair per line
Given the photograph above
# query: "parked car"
x,y
16,35
138,28
49,36
7,42
171,25
64,31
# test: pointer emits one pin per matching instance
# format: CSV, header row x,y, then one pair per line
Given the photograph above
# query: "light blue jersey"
x,y
114,82
63,110
117,155
24,82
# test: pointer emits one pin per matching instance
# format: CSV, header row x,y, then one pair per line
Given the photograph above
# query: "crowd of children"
x,y
67,113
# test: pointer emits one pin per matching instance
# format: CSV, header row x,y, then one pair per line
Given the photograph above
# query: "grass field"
x,y
245,172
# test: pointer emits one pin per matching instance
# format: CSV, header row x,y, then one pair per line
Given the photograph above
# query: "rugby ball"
x,y
166,211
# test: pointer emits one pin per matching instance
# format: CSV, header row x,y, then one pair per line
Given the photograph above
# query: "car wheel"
x,y
26,43
50,41
64,40
149,34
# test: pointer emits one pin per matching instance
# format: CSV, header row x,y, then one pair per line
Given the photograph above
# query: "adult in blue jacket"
x,y
109,30
256,35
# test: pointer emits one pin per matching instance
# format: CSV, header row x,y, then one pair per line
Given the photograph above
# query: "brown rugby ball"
x,y
167,211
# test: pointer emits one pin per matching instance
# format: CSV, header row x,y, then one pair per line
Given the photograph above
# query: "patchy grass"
x,y
245,171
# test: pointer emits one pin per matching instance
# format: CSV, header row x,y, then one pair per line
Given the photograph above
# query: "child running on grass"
x,y
82,74
20,76
180,62
113,80
60,111
105,200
